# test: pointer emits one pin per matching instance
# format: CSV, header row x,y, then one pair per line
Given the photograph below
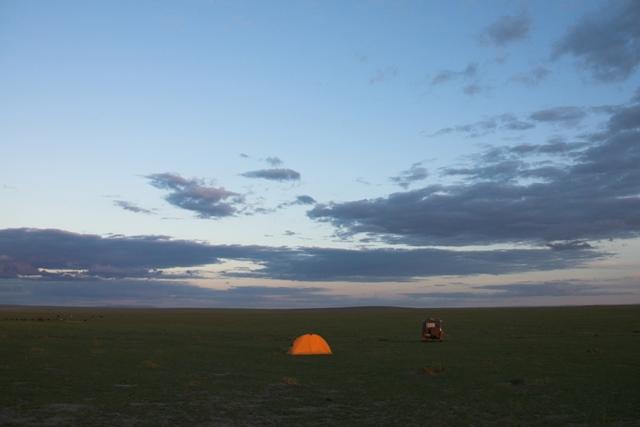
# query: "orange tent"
x,y
309,344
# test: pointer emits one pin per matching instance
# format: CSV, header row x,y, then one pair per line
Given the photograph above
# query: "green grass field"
x,y
517,366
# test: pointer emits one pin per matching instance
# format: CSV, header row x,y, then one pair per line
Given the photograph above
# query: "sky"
x,y
213,153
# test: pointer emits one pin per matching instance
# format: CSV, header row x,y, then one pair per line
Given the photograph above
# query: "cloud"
x,y
273,161
476,129
587,192
493,156
504,170
155,293
25,251
557,288
302,200
305,200
569,245
380,265
549,289
56,254
415,173
624,119
444,76
275,174
531,78
566,116
507,29
128,206
193,195
606,43
383,74
486,126
553,147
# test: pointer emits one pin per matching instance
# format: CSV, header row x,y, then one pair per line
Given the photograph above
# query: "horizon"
x,y
220,154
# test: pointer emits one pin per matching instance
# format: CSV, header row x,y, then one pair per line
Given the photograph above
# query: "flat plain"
x,y
498,366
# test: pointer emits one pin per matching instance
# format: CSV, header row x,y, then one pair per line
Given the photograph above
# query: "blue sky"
x,y
318,153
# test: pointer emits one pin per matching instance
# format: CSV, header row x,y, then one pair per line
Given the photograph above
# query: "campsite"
x,y
320,213
496,366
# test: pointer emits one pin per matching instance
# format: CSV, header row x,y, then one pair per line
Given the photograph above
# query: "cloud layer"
x,y
155,293
606,43
58,255
595,194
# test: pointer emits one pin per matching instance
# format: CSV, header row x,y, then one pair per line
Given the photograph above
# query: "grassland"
x,y
520,366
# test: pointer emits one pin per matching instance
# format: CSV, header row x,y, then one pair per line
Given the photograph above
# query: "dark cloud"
x,y
275,174
470,71
305,200
155,293
379,265
25,251
244,155
590,193
383,74
273,161
553,147
302,200
486,126
128,206
606,43
193,195
53,254
625,118
518,153
407,177
566,116
10,267
531,78
507,29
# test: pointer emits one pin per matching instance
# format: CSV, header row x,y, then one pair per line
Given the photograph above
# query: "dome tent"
x,y
309,344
